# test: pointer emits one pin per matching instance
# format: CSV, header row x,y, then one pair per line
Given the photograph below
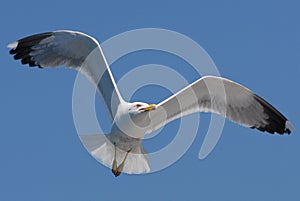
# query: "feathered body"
x,y
122,149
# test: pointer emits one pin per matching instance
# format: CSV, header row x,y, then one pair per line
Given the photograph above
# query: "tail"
x,y
101,148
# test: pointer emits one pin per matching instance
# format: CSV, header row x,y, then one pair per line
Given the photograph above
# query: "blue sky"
x,y
254,43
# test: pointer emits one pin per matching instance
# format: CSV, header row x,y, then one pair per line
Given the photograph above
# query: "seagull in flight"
x,y
122,148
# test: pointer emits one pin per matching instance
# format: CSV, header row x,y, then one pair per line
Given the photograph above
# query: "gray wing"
x,y
223,97
75,50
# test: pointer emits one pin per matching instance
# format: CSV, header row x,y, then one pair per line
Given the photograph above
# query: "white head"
x,y
130,119
139,107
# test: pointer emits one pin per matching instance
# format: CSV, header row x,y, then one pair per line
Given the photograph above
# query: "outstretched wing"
x,y
224,97
75,50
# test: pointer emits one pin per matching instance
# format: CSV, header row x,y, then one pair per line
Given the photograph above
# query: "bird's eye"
x,y
138,105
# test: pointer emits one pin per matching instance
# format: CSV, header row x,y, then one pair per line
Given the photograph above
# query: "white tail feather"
x,y
100,147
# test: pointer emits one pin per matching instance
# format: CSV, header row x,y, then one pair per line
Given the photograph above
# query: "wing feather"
x,y
223,97
75,50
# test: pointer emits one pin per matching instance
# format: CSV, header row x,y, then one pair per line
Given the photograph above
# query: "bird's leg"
x,y
114,165
121,166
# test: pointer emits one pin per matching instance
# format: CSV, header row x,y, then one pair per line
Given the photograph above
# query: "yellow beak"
x,y
149,107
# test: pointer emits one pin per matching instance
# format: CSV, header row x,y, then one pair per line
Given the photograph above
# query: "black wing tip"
x,y
275,126
272,131
21,49
13,51
275,122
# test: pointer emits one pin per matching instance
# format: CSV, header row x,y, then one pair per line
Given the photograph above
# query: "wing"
x,y
224,97
75,50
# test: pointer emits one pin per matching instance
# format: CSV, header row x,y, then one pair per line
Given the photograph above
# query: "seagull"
x,y
122,149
